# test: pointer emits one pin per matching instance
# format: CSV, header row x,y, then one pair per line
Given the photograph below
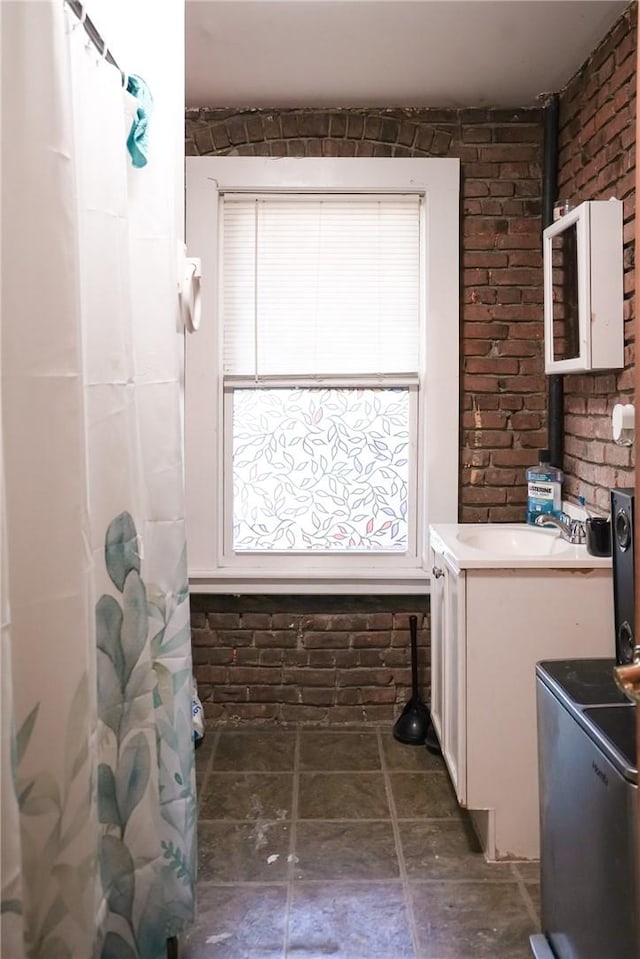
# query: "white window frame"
x,y
438,182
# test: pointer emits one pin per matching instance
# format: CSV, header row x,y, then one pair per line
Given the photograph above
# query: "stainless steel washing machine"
x,y
588,813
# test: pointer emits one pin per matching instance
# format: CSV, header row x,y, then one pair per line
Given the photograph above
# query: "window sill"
x,y
410,582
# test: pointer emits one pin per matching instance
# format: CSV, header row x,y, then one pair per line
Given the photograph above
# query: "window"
x,y
321,390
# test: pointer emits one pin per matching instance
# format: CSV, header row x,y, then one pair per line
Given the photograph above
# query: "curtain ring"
x,y
83,14
105,50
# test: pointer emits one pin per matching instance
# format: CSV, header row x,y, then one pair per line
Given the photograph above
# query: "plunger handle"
x,y
413,629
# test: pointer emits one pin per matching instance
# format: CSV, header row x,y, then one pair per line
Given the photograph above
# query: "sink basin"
x,y
509,546
517,541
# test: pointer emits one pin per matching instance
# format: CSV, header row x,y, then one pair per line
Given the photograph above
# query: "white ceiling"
x,y
393,53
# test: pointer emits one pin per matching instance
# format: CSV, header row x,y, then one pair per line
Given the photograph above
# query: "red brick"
x,y
376,695
498,365
271,657
490,438
255,621
318,697
379,714
254,675
513,458
326,640
526,421
485,495
401,621
323,658
236,637
376,638
252,712
484,420
309,677
296,657
294,713
502,477
202,637
371,657
275,638
212,674
231,694
363,677
274,694
245,656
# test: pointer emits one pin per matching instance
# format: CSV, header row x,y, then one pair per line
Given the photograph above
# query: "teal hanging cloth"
x,y
138,139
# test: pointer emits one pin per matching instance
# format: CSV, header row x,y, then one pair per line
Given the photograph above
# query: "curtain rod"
x,y
78,7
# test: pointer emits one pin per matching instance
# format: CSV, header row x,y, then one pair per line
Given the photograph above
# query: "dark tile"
x,y
533,891
471,920
257,750
200,778
328,850
349,921
423,795
203,759
339,750
202,754
410,758
242,852
527,871
342,796
247,796
447,850
237,922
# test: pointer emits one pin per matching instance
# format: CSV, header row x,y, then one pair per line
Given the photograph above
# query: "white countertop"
x,y
513,546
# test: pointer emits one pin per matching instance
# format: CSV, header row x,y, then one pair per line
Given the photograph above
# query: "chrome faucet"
x,y
571,530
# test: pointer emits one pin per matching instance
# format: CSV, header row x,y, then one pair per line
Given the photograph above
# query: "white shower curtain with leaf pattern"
x,y
98,796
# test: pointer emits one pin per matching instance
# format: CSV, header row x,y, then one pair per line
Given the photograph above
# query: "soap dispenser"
x,y
544,488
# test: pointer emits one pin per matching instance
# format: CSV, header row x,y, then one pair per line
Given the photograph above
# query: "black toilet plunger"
x,y
412,726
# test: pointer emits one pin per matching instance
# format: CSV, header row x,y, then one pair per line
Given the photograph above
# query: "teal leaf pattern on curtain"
x,y
109,628
132,775
146,789
115,947
108,811
144,774
116,872
58,809
121,549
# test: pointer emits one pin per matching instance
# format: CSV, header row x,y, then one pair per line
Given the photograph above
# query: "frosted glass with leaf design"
x,y
320,469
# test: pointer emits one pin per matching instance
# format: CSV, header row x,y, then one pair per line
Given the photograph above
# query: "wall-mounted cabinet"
x,y
583,289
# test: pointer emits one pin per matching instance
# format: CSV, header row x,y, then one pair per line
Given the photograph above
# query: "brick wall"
x,y
335,659
345,659
597,160
503,390
307,659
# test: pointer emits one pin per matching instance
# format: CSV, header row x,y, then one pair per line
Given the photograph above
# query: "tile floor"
x,y
343,843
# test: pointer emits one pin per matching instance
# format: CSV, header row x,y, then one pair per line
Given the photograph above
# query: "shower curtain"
x,y
98,792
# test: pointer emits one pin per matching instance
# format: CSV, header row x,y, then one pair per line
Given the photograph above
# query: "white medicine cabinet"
x,y
583,289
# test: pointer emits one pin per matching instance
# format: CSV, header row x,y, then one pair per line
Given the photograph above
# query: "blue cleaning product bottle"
x,y
544,488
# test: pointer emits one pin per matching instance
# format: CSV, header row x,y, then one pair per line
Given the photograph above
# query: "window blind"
x,y
315,285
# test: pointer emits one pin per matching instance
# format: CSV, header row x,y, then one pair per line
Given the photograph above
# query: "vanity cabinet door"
x,y
448,669
437,639
454,687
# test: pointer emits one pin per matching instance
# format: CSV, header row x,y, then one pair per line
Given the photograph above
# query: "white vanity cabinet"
x,y
448,669
490,625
